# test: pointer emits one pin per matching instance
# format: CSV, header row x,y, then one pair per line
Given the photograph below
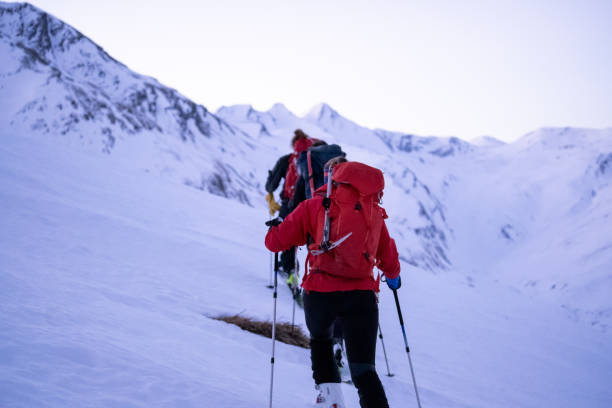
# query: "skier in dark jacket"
x,y
336,290
286,168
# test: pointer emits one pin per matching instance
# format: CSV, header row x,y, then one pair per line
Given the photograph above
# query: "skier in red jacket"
x,y
340,281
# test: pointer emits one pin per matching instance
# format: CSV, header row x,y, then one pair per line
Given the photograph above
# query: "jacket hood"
x,y
366,179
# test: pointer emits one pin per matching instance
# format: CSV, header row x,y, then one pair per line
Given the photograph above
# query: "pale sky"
x,y
465,68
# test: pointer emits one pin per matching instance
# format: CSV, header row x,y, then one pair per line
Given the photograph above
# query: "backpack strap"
x,y
310,173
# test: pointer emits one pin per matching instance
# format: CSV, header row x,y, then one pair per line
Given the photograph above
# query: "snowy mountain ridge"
x,y
111,268
73,88
480,209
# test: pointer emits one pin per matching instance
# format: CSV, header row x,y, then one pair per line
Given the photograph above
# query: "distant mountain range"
x,y
534,214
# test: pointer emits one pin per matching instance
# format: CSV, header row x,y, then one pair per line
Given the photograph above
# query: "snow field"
x,y
108,275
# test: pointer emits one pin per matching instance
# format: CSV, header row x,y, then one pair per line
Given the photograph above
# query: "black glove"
x,y
275,222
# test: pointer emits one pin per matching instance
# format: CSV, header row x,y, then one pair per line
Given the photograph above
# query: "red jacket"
x,y
295,229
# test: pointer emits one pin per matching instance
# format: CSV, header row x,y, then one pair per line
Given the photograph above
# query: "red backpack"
x,y
353,209
291,175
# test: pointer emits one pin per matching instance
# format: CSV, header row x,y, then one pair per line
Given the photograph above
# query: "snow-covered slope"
x,y
108,277
559,218
110,266
57,83
486,141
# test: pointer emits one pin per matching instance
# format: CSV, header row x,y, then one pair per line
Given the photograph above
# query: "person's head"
x,y
298,134
301,142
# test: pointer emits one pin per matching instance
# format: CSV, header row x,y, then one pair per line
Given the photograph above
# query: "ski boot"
x,y
330,396
293,282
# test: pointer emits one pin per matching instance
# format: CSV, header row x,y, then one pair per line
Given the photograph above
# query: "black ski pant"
x,y
287,259
337,332
357,311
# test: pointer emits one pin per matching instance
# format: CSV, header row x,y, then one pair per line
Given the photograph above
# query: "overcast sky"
x,y
464,68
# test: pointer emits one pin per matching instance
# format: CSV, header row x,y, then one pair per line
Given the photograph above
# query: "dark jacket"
x,y
277,173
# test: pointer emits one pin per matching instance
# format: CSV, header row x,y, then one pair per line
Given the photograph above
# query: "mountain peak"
x,y
321,111
279,109
17,7
48,37
239,110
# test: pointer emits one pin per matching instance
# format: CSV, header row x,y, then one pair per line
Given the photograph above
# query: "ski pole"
x,y
270,286
380,336
294,290
273,325
293,315
399,312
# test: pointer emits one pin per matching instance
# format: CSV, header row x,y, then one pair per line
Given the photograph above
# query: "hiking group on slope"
x,y
334,209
